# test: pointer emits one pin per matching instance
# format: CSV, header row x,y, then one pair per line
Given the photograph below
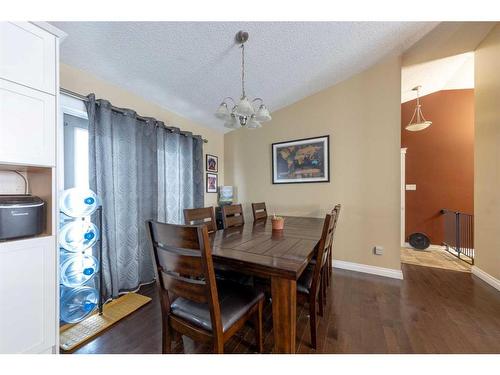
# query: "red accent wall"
x,y
439,160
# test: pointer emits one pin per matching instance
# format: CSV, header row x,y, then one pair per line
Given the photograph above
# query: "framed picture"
x,y
301,161
212,162
212,182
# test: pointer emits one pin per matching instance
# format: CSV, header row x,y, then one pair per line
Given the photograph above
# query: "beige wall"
x,y
487,155
362,117
83,83
447,39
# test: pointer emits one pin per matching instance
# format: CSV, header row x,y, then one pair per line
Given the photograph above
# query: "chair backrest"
x,y
232,215
337,210
336,214
198,216
324,244
259,210
183,260
259,226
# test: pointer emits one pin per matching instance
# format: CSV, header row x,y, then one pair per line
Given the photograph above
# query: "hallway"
x,y
438,258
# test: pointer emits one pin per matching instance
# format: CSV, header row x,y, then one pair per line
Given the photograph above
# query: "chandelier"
x,y
246,113
420,122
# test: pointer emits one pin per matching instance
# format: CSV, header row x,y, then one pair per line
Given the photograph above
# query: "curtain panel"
x,y
141,171
180,175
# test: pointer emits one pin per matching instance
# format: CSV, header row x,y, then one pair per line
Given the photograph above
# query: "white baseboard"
x,y
431,247
486,277
365,268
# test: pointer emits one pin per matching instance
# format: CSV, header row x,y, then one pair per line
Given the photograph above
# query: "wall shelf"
x,y
41,182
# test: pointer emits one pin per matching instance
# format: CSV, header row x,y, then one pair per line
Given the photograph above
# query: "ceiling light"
x,y
253,123
262,114
232,122
420,122
244,113
223,112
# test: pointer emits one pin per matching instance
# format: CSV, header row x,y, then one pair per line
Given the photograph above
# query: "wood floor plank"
x,y
432,310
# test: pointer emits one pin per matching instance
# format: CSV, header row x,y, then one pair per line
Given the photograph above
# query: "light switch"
x,y
411,187
378,250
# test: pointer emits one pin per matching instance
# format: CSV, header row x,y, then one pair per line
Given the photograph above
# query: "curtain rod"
x,y
140,118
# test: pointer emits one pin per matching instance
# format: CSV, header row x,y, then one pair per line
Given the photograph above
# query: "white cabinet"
x,y
29,80
27,125
28,288
27,56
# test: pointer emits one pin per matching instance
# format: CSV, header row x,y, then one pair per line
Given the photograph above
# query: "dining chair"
x,y
196,216
206,215
328,268
259,211
309,285
232,215
192,303
330,251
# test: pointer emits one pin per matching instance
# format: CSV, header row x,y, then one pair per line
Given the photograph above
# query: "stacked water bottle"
x,y
78,266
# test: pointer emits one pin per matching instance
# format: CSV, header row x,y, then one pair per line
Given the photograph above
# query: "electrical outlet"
x,y
378,250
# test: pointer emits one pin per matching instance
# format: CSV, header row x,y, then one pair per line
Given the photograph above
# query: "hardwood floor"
x,y
431,311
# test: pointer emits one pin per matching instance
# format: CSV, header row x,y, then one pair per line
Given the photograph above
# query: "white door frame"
x,y
403,195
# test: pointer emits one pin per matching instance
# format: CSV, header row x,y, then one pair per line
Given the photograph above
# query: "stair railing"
x,y
459,234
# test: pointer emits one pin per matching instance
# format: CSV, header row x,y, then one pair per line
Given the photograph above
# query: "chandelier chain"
x,y
243,70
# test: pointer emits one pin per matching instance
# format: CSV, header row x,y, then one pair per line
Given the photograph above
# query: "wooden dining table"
x,y
281,256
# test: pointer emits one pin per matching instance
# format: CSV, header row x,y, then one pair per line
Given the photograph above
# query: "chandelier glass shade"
x,y
244,113
418,121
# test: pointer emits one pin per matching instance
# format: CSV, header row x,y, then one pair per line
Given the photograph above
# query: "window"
x,y
76,152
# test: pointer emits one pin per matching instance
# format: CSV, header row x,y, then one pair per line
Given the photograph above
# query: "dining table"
x,y
279,255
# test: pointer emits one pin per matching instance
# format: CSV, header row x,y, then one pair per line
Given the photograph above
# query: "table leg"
x,y
284,294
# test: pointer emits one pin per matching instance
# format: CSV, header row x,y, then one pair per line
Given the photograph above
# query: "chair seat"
x,y
305,280
234,299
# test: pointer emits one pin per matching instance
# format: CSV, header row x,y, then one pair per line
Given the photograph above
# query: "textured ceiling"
x,y
188,67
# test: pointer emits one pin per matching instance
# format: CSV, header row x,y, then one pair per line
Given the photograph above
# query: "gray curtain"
x,y
180,175
140,171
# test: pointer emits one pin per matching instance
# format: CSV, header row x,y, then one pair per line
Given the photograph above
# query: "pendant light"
x,y
420,122
246,113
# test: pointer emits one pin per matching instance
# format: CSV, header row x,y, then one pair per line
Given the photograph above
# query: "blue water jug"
x,y
78,269
78,235
78,303
77,202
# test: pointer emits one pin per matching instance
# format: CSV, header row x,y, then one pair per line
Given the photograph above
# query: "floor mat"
x,y
73,335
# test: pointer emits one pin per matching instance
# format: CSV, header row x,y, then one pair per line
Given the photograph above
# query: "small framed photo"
x,y
212,182
212,162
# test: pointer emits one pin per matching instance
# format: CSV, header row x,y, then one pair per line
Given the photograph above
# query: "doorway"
x,y
437,162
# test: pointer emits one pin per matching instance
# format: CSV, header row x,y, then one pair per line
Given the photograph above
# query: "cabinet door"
x,y
28,56
28,288
27,125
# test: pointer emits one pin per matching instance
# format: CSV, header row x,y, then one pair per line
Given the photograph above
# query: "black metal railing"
x,y
459,234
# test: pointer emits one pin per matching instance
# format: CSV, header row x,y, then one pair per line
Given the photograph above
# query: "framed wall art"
x,y
212,163
301,160
212,182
